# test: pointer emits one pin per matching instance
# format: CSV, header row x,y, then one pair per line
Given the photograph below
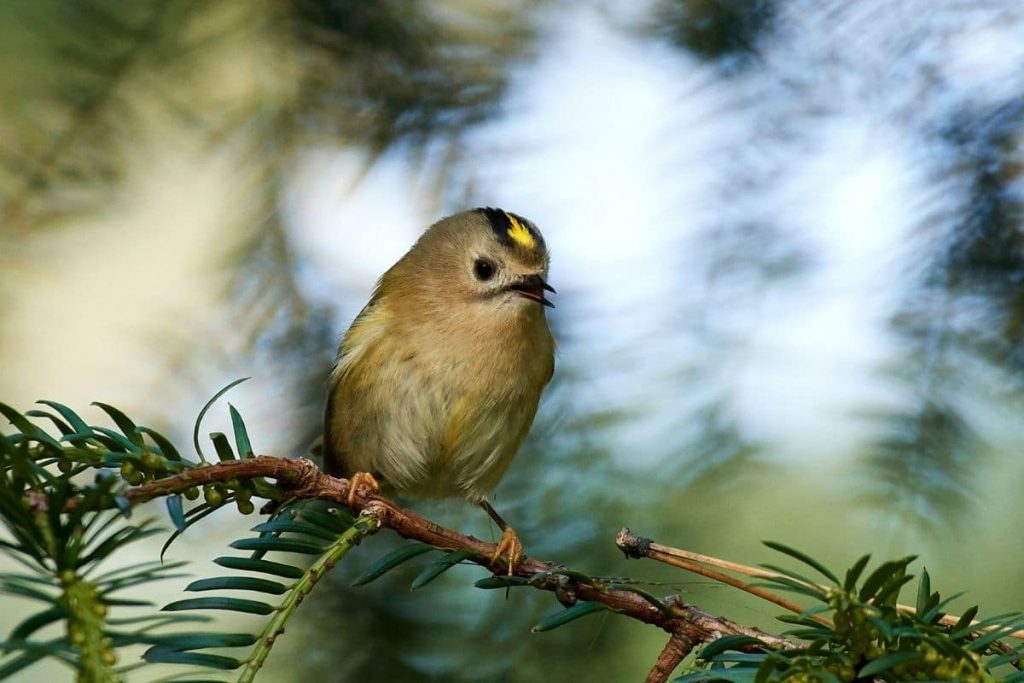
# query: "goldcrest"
x,y
438,379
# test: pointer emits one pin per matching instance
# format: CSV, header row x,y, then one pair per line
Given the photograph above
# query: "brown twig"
x,y
675,650
300,478
636,546
633,541
688,625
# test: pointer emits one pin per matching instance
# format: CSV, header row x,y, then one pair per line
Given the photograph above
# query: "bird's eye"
x,y
483,269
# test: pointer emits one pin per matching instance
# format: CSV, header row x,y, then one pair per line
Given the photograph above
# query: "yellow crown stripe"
x,y
519,233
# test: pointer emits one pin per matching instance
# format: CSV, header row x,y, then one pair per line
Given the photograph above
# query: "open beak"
x,y
533,287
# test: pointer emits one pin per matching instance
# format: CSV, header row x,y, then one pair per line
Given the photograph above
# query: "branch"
x,y
300,478
323,564
675,651
640,547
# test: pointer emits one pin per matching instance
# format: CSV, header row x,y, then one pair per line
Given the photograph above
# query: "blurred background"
x,y
787,236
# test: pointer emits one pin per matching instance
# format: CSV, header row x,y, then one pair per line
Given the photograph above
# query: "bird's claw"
x,y
359,480
511,547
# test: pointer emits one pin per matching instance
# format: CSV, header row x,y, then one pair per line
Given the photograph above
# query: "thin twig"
x,y
634,546
300,478
675,650
638,546
310,577
746,570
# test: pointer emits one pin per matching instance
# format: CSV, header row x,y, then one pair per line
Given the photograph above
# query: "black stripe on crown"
x,y
501,225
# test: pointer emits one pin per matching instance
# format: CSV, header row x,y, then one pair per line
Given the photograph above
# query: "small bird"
x,y
437,380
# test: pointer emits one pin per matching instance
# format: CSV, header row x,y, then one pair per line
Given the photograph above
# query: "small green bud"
x,y
153,462
192,492
131,474
214,498
245,506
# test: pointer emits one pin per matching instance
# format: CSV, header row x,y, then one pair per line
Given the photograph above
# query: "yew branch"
x,y
300,478
675,650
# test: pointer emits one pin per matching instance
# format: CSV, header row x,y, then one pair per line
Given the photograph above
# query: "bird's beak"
x,y
533,287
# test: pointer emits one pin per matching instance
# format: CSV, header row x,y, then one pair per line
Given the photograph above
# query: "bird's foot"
x,y
357,481
511,547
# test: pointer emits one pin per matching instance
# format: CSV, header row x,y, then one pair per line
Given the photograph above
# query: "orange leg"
x,y
510,546
359,480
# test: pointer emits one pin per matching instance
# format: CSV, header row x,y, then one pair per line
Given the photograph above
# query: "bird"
x,y
438,379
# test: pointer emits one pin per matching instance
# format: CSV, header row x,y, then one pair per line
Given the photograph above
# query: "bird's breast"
x,y
482,387
434,402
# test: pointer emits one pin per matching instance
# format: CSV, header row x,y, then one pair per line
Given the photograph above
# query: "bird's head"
x,y
488,258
